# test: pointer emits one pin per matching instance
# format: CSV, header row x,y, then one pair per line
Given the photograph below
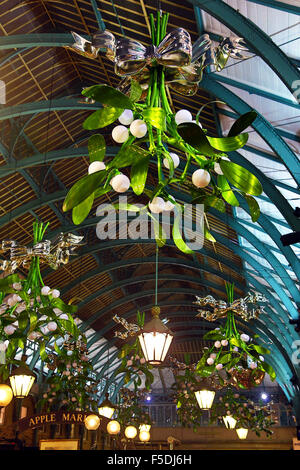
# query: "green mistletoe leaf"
x,y
253,207
228,144
108,95
156,117
102,118
135,91
82,189
227,193
193,135
242,123
177,232
241,178
138,175
82,210
97,148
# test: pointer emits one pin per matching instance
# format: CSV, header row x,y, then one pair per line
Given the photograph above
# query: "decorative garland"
x,y
154,128
133,362
256,418
129,410
242,361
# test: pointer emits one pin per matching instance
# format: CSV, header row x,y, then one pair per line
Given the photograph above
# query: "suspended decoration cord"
x,y
43,179
118,19
255,55
156,274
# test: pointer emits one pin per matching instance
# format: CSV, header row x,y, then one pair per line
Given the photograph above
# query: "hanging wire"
x,y
156,274
118,19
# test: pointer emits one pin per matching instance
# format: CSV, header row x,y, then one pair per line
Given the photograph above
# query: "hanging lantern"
x,y
6,395
92,422
113,427
155,339
242,433
21,380
130,432
205,395
106,408
145,427
144,436
229,422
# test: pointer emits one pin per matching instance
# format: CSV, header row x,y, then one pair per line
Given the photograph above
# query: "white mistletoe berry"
x,y
175,159
219,366
52,326
200,178
217,344
96,166
120,134
120,183
224,342
9,329
183,115
45,290
245,337
210,361
126,117
55,293
157,205
138,128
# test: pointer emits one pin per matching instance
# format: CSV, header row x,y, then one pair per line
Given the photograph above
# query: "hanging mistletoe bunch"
x,y
130,410
147,128
71,387
232,353
133,362
255,417
31,311
184,388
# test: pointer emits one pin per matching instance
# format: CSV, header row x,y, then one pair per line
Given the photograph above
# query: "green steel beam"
x,y
282,6
36,40
259,41
98,16
252,90
59,104
261,125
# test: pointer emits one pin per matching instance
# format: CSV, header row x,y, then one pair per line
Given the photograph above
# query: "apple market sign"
x,y
57,417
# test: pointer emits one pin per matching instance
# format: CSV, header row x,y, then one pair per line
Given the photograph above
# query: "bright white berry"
x,y
120,183
138,128
126,117
201,178
55,293
9,329
219,366
45,290
169,206
210,361
175,159
183,116
64,316
213,356
96,166
120,134
217,344
157,205
52,326
224,342
245,338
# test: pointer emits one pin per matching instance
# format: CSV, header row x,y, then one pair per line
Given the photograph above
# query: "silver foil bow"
x,y
131,328
53,253
238,307
184,63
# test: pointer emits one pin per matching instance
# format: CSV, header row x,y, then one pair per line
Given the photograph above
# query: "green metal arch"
x,y
268,133
259,41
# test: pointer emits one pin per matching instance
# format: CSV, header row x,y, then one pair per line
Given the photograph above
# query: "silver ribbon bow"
x,y
53,253
184,63
131,328
239,307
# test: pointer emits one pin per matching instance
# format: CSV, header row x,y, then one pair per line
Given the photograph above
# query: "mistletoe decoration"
x,y
133,362
71,387
31,312
205,171
255,417
129,409
233,354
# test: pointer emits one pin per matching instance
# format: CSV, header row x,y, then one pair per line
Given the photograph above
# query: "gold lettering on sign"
x,y
53,417
66,417
31,422
73,417
79,418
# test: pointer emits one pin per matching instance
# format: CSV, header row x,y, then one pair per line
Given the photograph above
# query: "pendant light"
x,y
229,422
92,422
155,338
205,395
21,380
106,408
242,433
113,427
6,395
